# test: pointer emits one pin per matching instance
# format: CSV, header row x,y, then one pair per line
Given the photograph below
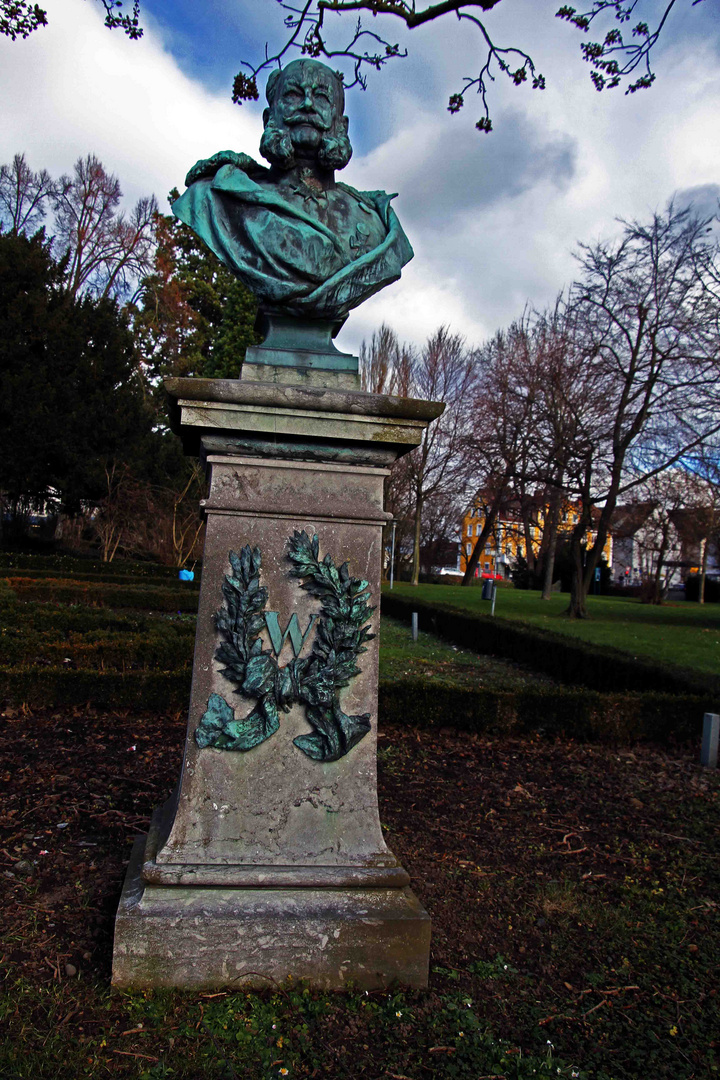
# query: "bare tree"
x,y
23,196
647,327
703,502
121,518
387,367
657,540
107,252
439,531
507,396
568,421
445,370
380,361
187,524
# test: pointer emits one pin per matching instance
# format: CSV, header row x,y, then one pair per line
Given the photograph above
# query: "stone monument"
x,y
269,859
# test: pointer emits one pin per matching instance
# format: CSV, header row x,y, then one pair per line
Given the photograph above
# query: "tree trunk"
x,y
578,588
658,591
529,550
491,513
582,579
477,551
550,549
703,571
584,566
416,541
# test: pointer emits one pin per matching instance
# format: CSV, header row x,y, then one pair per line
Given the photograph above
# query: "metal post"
x,y
392,558
492,609
414,620
711,732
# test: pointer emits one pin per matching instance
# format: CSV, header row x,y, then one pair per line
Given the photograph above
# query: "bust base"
x,y
211,938
300,352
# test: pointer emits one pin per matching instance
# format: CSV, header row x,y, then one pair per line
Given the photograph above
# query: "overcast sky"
x,y
493,218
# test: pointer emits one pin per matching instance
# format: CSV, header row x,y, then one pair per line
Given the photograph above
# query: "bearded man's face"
x,y
305,119
305,105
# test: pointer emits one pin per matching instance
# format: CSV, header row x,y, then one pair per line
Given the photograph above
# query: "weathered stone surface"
x,y
299,375
210,938
203,407
287,488
315,399
276,806
267,859
325,450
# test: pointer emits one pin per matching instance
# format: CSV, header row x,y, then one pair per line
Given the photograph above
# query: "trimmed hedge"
x,y
585,715
581,714
164,649
64,591
162,581
33,634
74,564
55,619
565,659
144,691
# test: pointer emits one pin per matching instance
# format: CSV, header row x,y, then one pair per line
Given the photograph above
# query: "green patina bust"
x,y
304,244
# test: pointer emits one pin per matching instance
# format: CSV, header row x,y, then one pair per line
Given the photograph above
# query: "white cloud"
x,y
493,219
76,87
503,213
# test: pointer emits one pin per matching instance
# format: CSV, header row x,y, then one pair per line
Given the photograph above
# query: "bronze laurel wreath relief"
x,y
315,681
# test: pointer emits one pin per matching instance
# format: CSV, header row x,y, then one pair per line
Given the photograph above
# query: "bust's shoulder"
x,y
379,201
207,168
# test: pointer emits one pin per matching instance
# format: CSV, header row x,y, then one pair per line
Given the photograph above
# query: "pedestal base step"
x,y
216,937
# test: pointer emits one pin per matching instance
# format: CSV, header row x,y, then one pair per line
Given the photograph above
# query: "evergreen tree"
x,y
71,397
195,317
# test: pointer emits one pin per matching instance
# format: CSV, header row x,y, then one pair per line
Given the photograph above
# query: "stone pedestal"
x,y
269,861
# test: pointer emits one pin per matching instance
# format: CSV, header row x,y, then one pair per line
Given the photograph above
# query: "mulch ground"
x,y
573,889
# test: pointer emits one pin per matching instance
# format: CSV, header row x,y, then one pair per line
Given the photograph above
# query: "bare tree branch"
x,y
19,18
608,70
310,24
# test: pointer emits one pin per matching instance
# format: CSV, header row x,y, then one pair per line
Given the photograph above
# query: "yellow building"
x,y
508,541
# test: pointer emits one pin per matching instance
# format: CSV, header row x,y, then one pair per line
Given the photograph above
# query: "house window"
x,y
468,550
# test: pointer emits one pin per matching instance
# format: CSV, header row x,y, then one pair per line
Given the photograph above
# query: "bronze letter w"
x,y
292,631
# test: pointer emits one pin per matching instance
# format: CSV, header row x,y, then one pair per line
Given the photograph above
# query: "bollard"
x,y
414,626
711,730
494,594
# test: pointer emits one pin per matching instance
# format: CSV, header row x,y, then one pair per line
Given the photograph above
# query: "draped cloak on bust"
x,y
291,261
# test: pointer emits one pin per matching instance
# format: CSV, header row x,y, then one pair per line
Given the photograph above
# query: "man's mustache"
x,y
307,118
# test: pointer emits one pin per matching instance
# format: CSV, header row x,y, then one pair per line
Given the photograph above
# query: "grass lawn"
x,y
675,633
430,657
